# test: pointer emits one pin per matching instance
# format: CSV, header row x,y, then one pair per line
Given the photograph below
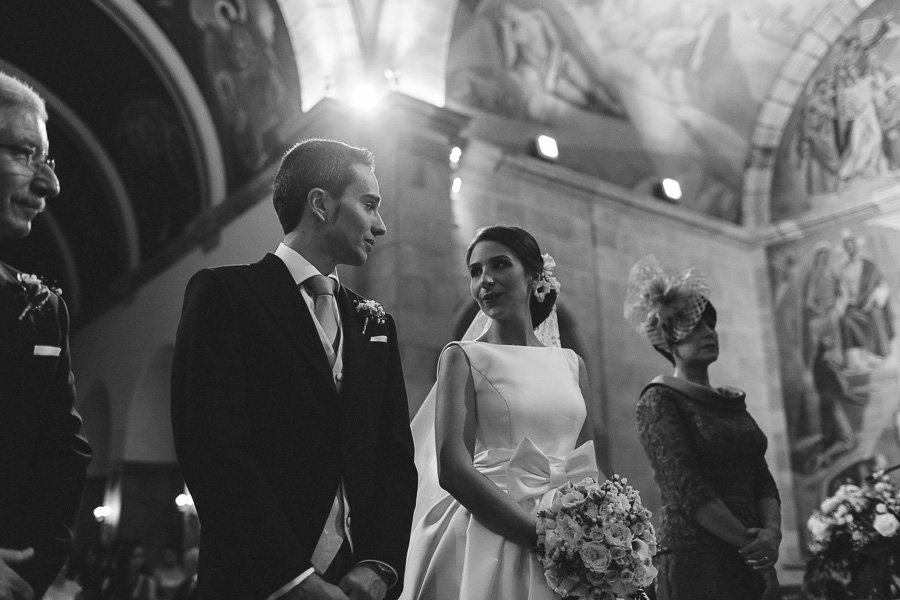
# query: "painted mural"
x,y
843,138
241,55
836,299
633,90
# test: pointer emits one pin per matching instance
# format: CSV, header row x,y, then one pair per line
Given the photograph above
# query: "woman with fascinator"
x,y
504,426
721,512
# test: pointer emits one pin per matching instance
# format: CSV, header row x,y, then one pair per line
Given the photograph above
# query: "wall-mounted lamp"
x,y
455,155
545,147
667,189
184,502
101,513
456,185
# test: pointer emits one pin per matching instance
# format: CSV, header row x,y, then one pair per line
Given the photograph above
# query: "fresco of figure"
x,y
244,73
862,153
550,77
821,296
889,119
818,143
866,324
835,397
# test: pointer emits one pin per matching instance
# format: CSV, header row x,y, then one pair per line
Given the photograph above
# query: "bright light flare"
x,y
671,188
365,97
546,147
455,155
456,185
102,512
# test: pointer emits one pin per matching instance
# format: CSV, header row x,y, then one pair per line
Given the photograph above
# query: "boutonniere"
x,y
370,310
33,292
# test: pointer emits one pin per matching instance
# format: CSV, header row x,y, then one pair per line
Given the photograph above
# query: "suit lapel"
x,y
272,282
354,356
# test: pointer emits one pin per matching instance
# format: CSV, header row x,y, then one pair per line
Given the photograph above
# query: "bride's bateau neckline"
x,y
506,345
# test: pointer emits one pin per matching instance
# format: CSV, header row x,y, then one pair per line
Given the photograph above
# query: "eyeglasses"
x,y
28,157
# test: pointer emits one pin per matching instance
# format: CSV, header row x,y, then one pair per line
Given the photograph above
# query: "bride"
x,y
499,432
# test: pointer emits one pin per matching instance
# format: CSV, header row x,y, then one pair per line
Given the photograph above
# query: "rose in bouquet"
x,y
854,536
596,541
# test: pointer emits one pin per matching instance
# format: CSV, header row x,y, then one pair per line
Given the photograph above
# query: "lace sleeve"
x,y
667,442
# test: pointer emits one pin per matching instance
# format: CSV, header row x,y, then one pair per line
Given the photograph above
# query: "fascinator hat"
x,y
662,304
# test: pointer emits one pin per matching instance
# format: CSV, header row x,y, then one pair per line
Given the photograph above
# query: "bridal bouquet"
x,y
855,536
596,541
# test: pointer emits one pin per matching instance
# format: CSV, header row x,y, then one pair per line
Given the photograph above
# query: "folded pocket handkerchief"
x,y
46,351
378,338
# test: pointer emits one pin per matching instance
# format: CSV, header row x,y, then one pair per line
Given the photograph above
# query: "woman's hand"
x,y
762,552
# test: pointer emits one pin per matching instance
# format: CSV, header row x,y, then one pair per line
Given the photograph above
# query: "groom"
x,y
289,406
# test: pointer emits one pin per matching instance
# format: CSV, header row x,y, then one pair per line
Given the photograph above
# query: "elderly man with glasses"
x,y
43,451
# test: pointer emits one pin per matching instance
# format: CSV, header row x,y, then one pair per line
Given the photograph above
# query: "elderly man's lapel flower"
x,y
33,292
370,310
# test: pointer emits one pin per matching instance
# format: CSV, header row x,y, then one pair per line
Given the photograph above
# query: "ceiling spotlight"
x,y
544,146
365,97
393,78
457,185
455,155
667,189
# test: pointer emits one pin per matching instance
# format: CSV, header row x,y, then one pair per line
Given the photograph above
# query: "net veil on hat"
x,y
662,304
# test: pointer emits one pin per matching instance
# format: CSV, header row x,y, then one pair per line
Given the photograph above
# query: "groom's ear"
x,y
315,204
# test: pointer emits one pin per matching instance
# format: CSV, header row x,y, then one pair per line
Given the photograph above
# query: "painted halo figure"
x,y
721,512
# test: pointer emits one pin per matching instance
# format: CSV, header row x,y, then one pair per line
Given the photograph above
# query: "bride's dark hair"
x,y
526,249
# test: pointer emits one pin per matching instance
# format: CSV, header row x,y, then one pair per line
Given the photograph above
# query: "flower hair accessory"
x,y
370,310
546,281
33,292
662,304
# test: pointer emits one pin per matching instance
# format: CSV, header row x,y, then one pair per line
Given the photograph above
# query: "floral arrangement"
x,y
546,282
370,310
855,541
30,290
596,541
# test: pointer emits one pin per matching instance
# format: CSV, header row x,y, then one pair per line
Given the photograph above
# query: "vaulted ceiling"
x,y
161,109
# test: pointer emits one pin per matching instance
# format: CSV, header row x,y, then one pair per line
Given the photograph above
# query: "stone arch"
x,y
783,95
148,429
206,147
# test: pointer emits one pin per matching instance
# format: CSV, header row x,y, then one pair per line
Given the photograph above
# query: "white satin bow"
x,y
531,473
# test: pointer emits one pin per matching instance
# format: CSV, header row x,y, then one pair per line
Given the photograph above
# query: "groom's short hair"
x,y
314,163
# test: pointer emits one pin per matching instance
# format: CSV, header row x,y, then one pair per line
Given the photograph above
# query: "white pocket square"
x,y
378,338
46,351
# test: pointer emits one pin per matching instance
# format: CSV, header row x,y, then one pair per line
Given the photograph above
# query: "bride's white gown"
x,y
530,412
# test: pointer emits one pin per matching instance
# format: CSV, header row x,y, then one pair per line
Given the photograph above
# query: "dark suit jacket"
x,y
263,438
43,451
